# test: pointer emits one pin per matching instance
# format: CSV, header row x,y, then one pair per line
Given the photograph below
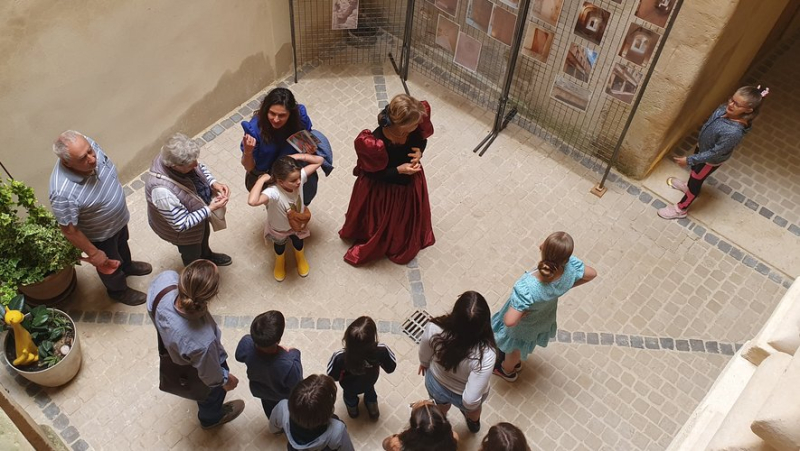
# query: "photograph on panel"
x,y
502,25
592,22
570,94
447,34
468,52
447,6
580,61
512,3
548,10
639,44
623,82
479,15
344,14
655,11
537,43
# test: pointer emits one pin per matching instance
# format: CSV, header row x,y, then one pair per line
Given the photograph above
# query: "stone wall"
x,y
711,46
128,74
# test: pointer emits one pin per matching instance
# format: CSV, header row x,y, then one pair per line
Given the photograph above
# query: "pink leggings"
x,y
699,174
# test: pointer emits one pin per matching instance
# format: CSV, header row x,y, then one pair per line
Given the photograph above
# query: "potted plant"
x,y
37,258
51,337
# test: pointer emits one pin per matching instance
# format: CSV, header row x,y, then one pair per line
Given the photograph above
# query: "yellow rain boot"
x,y
280,267
302,264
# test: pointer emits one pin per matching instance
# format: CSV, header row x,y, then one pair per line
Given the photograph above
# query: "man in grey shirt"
x,y
89,205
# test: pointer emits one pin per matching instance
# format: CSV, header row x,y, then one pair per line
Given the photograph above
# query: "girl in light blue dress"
x,y
528,318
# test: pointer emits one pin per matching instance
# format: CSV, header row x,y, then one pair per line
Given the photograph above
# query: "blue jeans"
x,y
442,395
210,409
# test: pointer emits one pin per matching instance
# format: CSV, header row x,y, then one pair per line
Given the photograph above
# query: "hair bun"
x,y
385,120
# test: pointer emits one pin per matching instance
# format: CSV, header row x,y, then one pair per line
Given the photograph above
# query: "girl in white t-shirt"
x,y
285,193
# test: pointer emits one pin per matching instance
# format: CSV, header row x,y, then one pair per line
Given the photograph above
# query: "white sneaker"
x,y
671,212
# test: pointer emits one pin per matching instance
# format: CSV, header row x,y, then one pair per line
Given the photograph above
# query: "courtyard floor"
x,y
636,351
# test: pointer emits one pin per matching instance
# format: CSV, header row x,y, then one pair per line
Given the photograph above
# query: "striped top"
x,y
94,203
177,215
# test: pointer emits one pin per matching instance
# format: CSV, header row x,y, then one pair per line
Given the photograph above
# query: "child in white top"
x,y
284,195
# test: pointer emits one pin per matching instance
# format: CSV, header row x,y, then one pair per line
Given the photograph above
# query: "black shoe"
x,y
473,426
502,373
129,297
139,269
231,410
219,259
372,409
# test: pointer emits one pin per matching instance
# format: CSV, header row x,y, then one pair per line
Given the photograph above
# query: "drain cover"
x,y
414,326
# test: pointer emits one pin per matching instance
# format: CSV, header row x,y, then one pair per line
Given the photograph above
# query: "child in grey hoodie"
x,y
307,417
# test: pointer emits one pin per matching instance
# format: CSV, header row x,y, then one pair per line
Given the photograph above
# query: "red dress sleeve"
x,y
371,153
426,127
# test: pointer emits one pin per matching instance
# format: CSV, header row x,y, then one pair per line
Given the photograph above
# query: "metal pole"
x,y
600,189
294,46
405,50
406,54
500,120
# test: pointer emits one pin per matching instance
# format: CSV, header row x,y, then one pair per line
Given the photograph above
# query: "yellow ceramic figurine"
x,y
27,352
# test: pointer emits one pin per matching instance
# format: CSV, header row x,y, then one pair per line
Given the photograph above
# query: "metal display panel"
x,y
569,71
579,71
341,32
469,61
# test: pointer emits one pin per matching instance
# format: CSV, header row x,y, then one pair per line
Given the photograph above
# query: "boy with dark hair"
x,y
307,417
272,369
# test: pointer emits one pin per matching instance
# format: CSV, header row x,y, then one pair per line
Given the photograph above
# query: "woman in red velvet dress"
x,y
389,212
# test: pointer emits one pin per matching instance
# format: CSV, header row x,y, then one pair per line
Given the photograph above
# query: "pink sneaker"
x,y
677,184
671,212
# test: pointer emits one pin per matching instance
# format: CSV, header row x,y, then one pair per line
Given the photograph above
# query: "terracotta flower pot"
x,y
53,289
58,374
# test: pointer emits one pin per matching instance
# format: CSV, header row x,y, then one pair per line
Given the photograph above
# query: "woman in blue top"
x,y
528,318
721,133
279,117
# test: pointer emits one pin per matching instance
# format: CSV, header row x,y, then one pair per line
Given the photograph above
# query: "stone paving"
x,y
763,174
636,351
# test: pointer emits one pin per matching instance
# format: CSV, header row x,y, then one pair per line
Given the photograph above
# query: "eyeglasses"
x,y
736,104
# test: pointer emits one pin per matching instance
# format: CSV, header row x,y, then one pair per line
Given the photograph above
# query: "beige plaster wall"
x,y
710,48
128,74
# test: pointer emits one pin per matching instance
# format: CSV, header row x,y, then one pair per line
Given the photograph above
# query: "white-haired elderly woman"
x,y
181,194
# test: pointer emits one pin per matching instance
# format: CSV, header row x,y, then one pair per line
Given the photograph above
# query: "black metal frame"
x,y
600,188
502,118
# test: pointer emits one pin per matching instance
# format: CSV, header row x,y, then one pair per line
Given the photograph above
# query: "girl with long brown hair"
x,y
456,356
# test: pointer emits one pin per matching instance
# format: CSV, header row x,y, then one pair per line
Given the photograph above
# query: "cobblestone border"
x,y
686,147
649,198
228,321
59,419
689,142
645,342
414,275
242,322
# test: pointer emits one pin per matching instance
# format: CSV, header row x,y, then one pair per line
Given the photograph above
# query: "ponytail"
x,y
556,251
199,282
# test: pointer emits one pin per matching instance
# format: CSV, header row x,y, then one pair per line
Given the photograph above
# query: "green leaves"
x,y
31,241
17,303
47,328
